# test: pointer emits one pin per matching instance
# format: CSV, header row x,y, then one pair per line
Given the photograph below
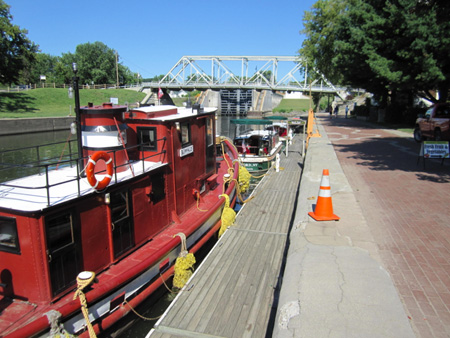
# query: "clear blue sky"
x,y
151,36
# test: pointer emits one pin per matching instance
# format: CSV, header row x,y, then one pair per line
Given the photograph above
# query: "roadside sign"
x,y
434,149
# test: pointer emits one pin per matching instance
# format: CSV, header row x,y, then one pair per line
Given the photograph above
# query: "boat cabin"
x,y
255,143
142,171
258,141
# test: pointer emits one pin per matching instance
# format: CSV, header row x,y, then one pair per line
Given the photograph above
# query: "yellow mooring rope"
x,y
84,279
228,215
184,265
244,176
244,179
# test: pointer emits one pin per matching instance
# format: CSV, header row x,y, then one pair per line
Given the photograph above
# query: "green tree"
x,y
16,50
96,63
399,45
44,64
198,78
156,78
268,75
126,75
382,46
63,68
320,28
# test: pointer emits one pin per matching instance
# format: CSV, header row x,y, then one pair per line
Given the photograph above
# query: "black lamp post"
x,y
78,117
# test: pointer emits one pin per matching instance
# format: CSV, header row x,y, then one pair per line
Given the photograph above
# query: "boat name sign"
x,y
186,150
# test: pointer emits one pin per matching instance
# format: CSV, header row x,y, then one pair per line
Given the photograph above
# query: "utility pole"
x,y
117,69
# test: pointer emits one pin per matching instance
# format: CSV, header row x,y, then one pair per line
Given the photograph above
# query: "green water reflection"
x,y
19,163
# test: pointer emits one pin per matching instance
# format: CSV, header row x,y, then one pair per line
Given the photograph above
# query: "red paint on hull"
x,y
157,199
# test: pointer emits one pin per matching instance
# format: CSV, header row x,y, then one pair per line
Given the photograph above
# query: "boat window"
x,y
60,231
119,206
185,134
158,188
147,138
9,240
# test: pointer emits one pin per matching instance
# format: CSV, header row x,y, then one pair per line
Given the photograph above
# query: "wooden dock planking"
x,y
208,285
239,290
232,293
228,292
273,219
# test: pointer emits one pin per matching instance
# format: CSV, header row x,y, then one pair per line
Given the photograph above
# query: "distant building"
x,y
296,95
178,93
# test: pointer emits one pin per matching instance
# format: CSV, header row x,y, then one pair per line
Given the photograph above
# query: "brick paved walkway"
x,y
408,212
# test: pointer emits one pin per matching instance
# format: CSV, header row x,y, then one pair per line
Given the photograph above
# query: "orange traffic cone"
x,y
324,206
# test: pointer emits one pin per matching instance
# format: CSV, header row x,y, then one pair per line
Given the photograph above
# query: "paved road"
x,y
406,207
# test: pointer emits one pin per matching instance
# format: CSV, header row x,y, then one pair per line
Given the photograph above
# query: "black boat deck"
x,y
232,293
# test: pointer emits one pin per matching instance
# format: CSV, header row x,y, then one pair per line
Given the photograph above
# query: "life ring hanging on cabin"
x,y
99,185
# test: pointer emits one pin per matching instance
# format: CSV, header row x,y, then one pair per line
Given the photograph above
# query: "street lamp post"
x,y
78,117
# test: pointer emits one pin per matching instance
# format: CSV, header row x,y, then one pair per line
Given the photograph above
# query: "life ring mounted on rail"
x,y
99,185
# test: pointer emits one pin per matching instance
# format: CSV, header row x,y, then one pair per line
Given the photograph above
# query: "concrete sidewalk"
x,y
334,284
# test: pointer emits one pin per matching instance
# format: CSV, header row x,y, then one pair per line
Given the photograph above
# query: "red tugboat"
x,y
109,220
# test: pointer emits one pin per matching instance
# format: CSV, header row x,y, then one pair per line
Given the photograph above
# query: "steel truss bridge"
x,y
275,73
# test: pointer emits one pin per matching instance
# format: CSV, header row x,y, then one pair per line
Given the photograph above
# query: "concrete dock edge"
x,y
334,284
34,125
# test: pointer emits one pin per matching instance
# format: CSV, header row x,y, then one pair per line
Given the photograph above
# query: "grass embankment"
x,y
288,105
54,102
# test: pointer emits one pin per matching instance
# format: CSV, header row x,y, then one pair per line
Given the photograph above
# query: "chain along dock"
x,y
233,293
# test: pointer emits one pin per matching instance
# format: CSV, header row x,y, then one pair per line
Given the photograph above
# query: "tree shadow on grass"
x,y
17,103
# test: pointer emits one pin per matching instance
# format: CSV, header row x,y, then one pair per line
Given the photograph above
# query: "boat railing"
x,y
26,161
143,157
44,165
249,150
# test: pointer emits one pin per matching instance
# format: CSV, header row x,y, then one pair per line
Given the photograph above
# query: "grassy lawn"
x,y
406,130
52,102
288,105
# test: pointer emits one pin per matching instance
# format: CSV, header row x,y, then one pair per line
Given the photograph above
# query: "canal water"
x,y
132,326
60,145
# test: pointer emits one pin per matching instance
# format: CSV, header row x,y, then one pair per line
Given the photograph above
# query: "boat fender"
x,y
99,185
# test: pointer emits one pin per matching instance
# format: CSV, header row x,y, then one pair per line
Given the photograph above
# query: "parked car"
x,y
435,124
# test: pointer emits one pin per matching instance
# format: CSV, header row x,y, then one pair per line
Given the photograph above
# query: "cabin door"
x,y
122,222
62,232
210,147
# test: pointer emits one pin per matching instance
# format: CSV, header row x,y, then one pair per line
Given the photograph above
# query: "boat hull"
x,y
260,164
151,269
124,233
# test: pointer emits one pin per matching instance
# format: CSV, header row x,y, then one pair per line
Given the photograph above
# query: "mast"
x,y
78,117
